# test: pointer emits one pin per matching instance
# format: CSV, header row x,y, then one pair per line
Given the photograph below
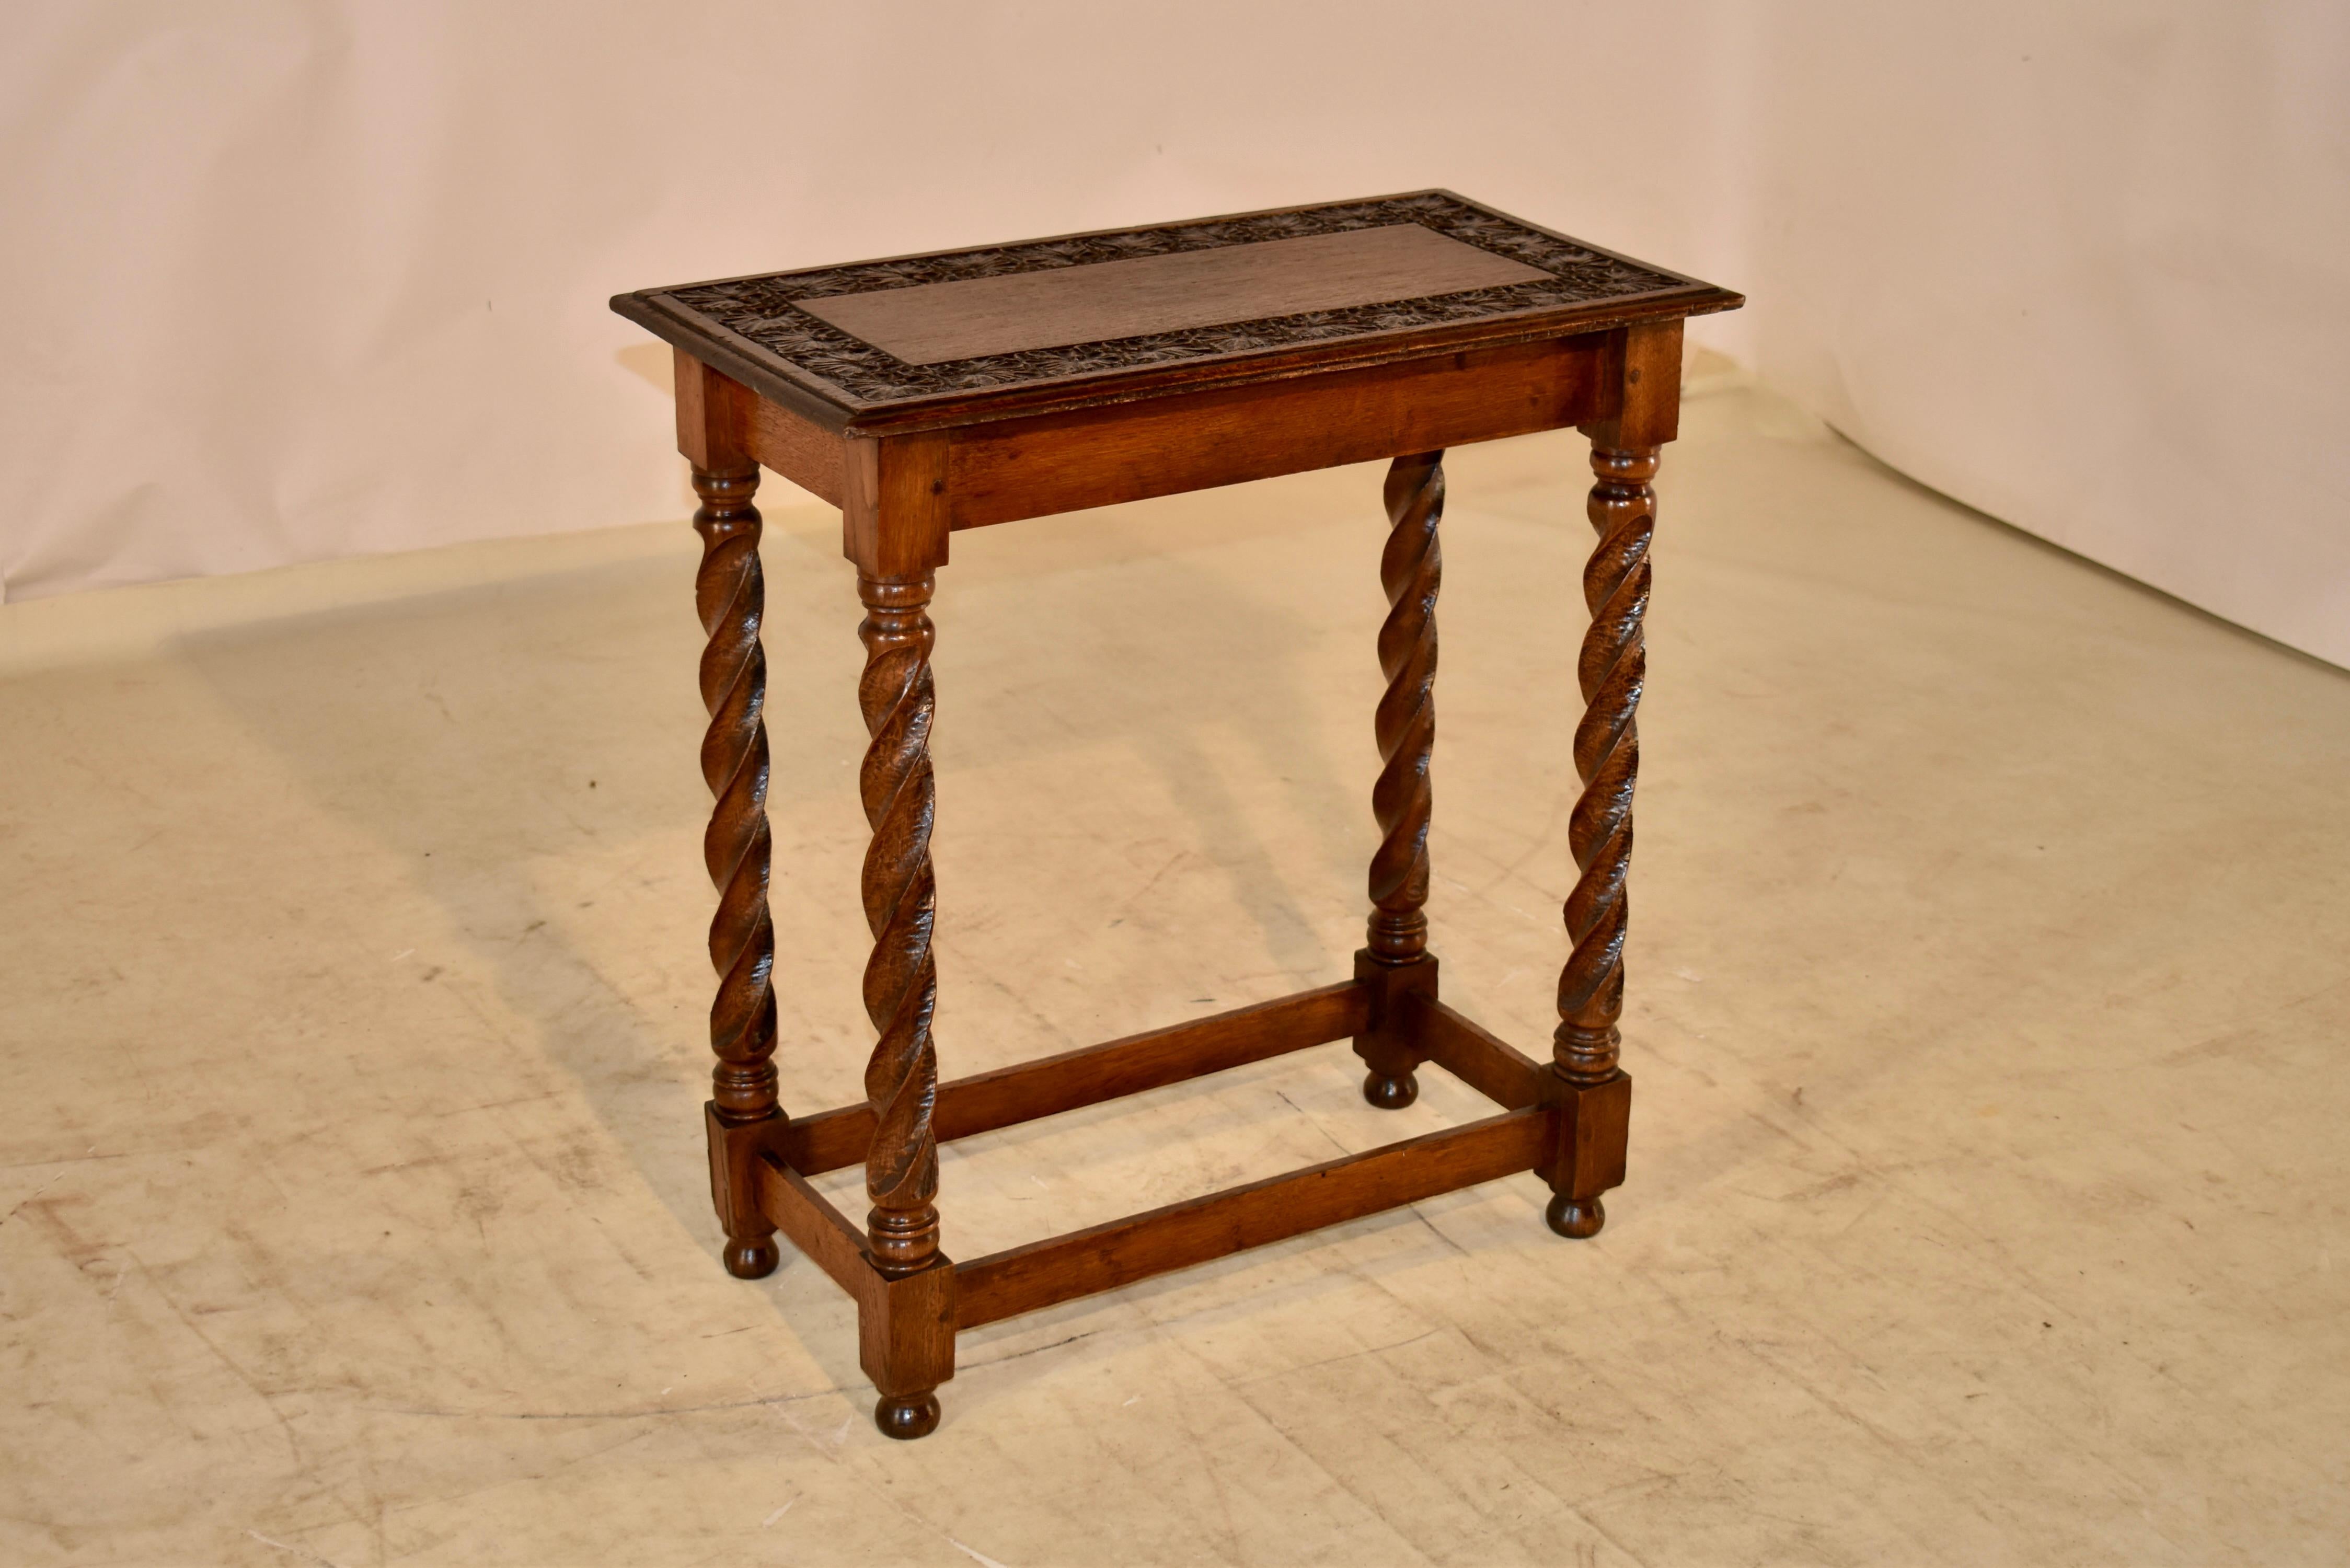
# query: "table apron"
x,y
1012,469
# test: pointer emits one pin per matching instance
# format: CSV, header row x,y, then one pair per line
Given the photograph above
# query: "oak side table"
x,y
963,388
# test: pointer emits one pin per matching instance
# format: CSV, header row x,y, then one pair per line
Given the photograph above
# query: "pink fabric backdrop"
x,y
292,281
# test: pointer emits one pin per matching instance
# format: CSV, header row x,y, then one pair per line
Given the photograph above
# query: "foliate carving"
x,y
730,593
1411,569
901,980
763,310
1611,671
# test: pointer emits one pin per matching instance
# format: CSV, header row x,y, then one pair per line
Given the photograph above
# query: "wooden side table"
x,y
929,393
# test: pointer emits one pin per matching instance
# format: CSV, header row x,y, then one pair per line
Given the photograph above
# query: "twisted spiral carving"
x,y
1612,670
1410,568
730,594
901,980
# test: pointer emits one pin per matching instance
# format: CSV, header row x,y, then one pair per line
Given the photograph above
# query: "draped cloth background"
x,y
289,281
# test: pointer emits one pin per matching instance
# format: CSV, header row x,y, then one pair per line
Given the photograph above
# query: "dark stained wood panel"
x,y
934,322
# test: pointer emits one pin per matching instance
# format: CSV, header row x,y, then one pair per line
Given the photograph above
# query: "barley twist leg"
x,y
901,982
1411,569
1611,671
731,594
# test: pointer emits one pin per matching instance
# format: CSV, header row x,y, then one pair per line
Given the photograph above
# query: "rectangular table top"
x,y
955,335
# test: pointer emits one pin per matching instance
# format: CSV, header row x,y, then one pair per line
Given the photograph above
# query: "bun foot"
x,y
1390,1094
1579,1217
907,1417
753,1259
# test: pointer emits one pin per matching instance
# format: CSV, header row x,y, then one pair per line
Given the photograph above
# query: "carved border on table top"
x,y
765,309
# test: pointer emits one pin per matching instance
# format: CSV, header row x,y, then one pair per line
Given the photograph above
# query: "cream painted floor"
x,y
1990,986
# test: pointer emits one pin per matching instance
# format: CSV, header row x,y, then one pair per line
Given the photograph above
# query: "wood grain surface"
x,y
932,323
